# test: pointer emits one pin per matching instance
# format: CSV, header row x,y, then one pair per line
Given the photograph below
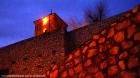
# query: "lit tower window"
x,y
44,29
45,20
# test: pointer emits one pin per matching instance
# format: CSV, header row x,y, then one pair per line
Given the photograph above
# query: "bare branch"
x,y
97,15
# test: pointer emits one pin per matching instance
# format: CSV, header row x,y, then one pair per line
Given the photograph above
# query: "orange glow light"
x,y
45,20
44,30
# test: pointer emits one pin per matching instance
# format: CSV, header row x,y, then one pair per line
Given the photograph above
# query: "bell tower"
x,y
49,23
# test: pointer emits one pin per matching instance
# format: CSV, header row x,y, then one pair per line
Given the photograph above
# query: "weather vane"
x,y
51,11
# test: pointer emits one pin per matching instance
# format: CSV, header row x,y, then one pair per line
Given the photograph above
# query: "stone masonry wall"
x,y
77,37
34,55
112,53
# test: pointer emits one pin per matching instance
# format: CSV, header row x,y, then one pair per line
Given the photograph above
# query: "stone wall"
x,y
112,53
34,55
77,37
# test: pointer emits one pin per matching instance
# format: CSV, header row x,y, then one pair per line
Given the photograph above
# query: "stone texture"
x,y
133,62
112,60
126,74
82,75
93,69
127,44
70,57
114,50
95,37
101,48
54,67
69,64
71,72
123,55
135,50
99,75
122,65
77,53
113,70
84,49
122,25
88,62
103,32
137,36
92,44
78,68
137,18
111,33
30,55
64,74
91,53
54,74
130,31
101,40
97,60
103,65
119,37
77,60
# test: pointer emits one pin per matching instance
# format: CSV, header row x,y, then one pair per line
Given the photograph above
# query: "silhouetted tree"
x,y
98,14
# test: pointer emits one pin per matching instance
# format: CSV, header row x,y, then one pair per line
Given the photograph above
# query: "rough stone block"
x,y
71,72
113,70
91,53
92,44
78,68
123,55
103,65
64,74
77,60
130,31
123,25
114,50
84,49
127,44
111,32
88,63
137,36
126,74
54,74
137,18
96,37
122,65
119,37
101,40
99,75
112,60
77,53
133,62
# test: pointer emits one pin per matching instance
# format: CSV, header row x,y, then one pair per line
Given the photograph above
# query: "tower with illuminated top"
x,y
49,23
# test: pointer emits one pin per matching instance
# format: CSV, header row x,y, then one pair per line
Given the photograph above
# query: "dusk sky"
x,y
17,16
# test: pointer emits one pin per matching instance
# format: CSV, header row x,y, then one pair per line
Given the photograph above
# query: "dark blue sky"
x,y
17,16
